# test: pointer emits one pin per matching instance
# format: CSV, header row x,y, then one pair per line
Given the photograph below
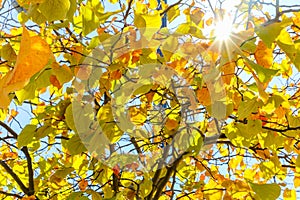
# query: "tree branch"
x,y
30,190
163,181
15,177
10,194
9,129
169,7
30,171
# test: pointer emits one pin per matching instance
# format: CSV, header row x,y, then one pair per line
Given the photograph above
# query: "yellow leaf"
x,y
33,56
24,2
8,53
150,23
153,4
228,72
263,55
173,13
197,15
297,181
138,115
62,73
289,194
55,9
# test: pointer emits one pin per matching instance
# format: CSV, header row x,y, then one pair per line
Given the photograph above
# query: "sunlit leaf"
x,y
33,56
268,33
26,135
55,9
263,55
266,191
75,146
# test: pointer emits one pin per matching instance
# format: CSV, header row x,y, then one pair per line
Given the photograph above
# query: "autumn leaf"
x,y
13,114
83,185
161,112
33,56
203,96
263,55
32,197
171,124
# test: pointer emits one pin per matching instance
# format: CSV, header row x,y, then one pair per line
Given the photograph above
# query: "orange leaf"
x,y
203,96
263,55
76,52
116,75
296,181
171,124
202,177
82,185
29,198
116,170
54,81
13,113
33,56
228,72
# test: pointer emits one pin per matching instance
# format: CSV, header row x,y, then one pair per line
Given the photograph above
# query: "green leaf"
x,y
269,33
77,196
8,53
247,107
72,10
63,74
264,74
69,118
27,93
266,191
146,186
35,14
75,146
292,50
95,195
62,173
55,9
44,131
26,136
42,80
143,89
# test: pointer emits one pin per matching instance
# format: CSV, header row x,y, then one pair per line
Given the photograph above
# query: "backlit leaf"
x,y
26,135
33,56
268,33
55,9
264,74
263,55
266,191
75,146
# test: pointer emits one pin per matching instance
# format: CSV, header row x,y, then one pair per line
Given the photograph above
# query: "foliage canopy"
x,y
185,107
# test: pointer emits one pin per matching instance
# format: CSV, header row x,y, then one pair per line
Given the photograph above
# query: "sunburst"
x,y
223,29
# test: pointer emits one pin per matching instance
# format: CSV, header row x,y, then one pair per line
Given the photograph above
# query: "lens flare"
x,y
223,29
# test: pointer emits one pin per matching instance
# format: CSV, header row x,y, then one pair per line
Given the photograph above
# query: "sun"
x,y
223,29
